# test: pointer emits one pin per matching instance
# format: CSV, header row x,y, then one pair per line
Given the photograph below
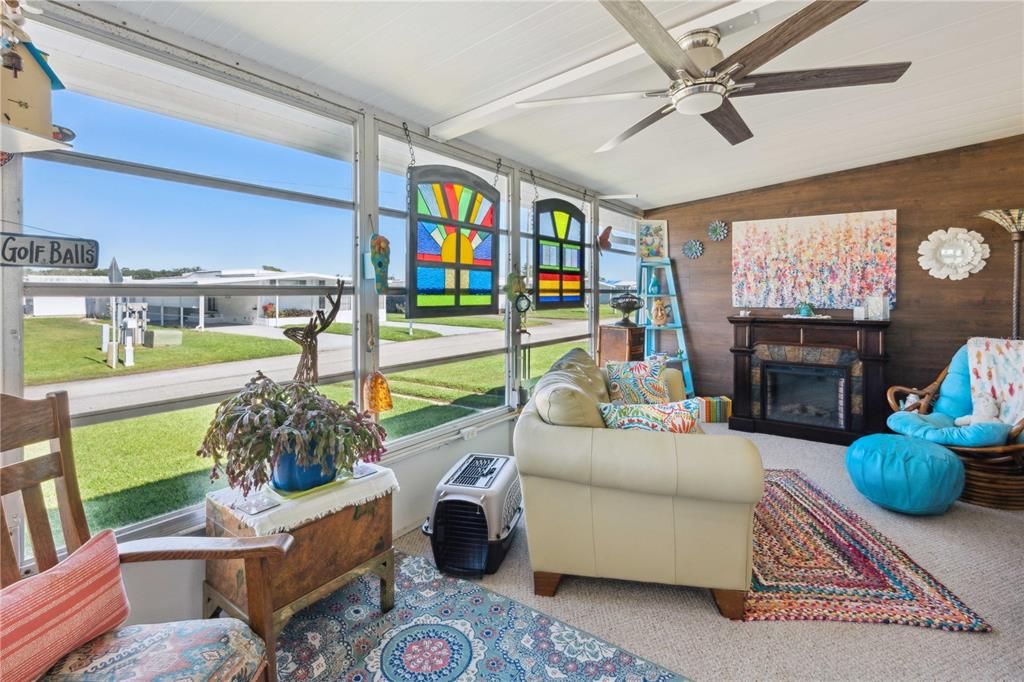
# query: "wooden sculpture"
x,y
306,338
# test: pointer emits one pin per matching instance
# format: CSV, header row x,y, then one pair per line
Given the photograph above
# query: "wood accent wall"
x,y
932,317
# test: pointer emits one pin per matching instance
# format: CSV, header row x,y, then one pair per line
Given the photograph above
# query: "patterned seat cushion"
x,y
219,649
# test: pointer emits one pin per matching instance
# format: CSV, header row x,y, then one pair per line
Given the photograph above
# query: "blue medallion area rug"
x,y
444,629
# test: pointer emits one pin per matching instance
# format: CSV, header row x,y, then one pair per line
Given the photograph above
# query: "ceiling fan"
x,y
703,81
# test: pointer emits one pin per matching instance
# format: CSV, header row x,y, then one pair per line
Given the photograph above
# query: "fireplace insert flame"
x,y
815,395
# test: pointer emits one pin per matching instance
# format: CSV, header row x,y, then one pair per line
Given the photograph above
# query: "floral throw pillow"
x,y
637,383
671,417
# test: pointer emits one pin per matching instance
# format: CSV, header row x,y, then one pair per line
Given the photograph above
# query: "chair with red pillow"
x,y
63,622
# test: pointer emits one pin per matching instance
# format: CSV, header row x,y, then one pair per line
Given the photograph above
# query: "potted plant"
x,y
291,435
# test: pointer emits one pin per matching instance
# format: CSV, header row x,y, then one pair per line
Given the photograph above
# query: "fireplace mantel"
x,y
799,339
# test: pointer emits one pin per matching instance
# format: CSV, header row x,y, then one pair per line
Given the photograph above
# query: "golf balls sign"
x,y
32,250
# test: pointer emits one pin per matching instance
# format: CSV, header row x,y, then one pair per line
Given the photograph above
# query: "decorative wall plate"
x,y
718,230
954,253
693,249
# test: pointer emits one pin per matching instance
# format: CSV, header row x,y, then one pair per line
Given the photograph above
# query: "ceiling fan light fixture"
x,y
699,99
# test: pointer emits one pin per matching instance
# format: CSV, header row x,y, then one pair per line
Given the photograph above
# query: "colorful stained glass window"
x,y
559,254
453,265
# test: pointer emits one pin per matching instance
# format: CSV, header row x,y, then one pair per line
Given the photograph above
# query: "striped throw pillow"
x,y
49,615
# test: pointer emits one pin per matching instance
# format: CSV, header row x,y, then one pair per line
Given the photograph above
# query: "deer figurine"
x,y
306,338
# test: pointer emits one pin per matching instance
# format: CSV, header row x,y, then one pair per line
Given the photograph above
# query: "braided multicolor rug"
x,y
814,559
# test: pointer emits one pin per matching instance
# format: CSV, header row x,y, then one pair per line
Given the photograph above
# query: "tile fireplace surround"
x,y
846,356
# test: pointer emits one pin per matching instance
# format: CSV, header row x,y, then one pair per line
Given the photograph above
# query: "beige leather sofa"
x,y
629,504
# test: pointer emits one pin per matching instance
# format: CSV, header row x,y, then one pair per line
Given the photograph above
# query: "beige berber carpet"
x,y
977,553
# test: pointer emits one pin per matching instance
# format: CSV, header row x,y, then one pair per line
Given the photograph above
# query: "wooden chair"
x,y
24,422
994,475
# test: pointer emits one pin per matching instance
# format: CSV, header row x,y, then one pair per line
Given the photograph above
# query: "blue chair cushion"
x,y
907,475
955,391
939,428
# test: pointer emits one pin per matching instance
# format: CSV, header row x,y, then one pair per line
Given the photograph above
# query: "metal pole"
x,y
11,351
513,362
594,281
1018,238
365,308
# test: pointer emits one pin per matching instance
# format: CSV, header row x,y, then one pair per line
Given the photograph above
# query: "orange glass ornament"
x,y
377,393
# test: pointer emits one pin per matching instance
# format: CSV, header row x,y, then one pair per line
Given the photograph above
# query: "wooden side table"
x,y
339,543
620,344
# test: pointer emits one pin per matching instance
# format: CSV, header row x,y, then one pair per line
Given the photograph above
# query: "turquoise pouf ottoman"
x,y
908,475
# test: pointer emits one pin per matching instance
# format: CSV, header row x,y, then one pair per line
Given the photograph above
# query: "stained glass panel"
x,y
559,254
452,219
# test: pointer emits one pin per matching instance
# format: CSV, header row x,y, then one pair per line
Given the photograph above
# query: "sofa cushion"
x,y
675,384
637,383
51,614
955,391
672,417
939,428
562,399
589,376
222,649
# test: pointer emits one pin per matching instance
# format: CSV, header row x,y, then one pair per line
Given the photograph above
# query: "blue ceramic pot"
x,y
291,477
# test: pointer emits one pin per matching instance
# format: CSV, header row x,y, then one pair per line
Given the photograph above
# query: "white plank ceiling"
x,y
429,61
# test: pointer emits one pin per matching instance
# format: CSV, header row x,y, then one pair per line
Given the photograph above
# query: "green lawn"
x,y
386,333
573,313
476,321
67,349
134,469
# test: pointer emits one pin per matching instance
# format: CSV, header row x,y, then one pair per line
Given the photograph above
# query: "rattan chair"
x,y
994,475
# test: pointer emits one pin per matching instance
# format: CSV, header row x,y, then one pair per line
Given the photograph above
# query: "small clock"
x,y
522,303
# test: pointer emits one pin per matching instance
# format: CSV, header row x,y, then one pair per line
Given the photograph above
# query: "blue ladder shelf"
x,y
647,272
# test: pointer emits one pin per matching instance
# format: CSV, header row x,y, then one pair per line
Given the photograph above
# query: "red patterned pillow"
x,y
49,615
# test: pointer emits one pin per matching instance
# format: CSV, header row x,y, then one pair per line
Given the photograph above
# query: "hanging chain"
x,y
497,174
412,162
536,198
583,203
408,141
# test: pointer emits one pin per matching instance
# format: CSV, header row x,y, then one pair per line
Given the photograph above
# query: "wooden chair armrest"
x,y
925,395
201,549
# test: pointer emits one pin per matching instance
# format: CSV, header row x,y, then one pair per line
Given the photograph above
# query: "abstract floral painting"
x,y
830,261
652,239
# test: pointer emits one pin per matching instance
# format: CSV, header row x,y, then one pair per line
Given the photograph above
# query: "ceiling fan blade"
x,y
632,130
816,79
727,121
584,99
791,31
652,37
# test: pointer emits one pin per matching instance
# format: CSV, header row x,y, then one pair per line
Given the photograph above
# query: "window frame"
x,y
370,126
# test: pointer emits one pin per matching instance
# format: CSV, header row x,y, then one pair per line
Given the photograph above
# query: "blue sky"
x,y
158,224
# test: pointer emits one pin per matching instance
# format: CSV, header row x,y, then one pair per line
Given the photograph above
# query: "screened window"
x,y
225,232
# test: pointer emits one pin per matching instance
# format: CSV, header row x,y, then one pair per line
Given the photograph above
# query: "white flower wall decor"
x,y
954,253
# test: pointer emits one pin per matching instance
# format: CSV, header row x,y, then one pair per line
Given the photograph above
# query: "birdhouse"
x,y
26,81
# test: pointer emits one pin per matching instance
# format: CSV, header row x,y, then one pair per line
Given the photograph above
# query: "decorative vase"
x,y
804,310
626,304
289,476
654,287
